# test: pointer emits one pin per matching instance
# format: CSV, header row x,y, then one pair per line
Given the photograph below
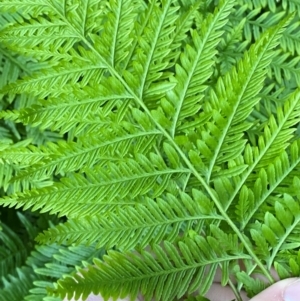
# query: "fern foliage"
x,y
150,143
184,264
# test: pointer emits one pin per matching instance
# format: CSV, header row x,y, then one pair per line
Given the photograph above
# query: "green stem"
x,y
235,291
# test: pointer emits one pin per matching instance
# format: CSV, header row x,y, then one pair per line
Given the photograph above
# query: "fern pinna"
x,y
163,133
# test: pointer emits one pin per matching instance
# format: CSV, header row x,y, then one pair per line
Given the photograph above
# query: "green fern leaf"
x,y
28,7
149,223
276,175
13,252
156,275
65,157
103,188
237,104
195,68
56,77
114,45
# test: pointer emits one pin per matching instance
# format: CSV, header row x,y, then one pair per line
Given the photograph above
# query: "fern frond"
x,y
260,20
273,5
230,50
166,273
276,228
84,16
279,130
63,157
287,65
114,44
12,67
183,25
25,154
235,96
290,40
252,286
177,39
39,33
52,262
139,226
44,265
114,184
272,180
196,67
28,7
40,138
16,287
148,123
65,112
151,51
269,142
52,81
13,252
46,38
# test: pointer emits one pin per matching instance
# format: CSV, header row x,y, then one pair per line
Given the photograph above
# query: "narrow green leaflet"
x,y
164,274
153,221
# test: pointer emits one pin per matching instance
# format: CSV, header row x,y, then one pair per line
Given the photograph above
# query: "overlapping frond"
x,y
166,273
45,264
51,37
272,236
188,12
68,110
12,67
230,51
256,22
285,67
131,227
39,33
289,41
23,153
17,287
51,262
273,5
13,252
150,53
232,101
52,81
28,7
63,157
83,16
105,186
114,44
251,285
272,180
195,68
278,132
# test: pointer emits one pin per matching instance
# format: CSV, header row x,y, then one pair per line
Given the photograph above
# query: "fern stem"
x,y
235,291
